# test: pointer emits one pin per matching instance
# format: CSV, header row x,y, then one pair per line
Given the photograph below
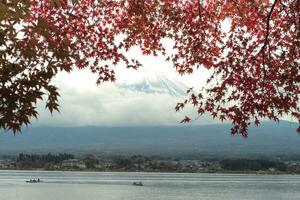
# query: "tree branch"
x,y
199,9
266,41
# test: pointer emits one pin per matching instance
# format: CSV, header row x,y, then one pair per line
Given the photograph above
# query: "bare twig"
x,y
266,41
199,9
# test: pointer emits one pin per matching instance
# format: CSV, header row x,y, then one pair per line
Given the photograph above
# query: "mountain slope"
x,y
151,82
208,140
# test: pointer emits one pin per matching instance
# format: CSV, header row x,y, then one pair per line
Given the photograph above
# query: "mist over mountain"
x,y
148,99
141,117
270,139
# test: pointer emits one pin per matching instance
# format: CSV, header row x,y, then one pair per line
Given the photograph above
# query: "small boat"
x,y
138,183
34,181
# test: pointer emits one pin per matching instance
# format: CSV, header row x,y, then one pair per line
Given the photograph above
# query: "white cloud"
x,y
84,103
114,107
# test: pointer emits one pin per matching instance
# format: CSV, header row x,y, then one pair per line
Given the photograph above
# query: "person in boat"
x,y
138,183
34,181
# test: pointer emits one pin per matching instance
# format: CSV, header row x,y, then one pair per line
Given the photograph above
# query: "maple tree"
x,y
255,63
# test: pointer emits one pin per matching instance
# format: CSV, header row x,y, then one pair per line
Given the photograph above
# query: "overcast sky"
x,y
84,103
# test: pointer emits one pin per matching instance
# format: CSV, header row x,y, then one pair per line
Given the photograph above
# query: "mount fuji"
x,y
151,82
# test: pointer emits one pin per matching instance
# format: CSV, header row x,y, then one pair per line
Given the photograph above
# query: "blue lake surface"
x,y
157,186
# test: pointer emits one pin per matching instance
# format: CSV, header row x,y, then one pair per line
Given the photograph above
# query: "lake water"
x,y
157,186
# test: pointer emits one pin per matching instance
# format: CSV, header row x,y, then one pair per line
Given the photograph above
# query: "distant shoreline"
x,y
139,163
166,172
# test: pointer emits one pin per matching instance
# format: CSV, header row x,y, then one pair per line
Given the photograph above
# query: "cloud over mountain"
x,y
148,99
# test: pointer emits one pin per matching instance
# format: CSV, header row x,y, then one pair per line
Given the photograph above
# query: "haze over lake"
x,y
164,186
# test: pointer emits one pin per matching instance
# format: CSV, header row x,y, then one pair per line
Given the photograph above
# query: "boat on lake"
x,y
34,181
138,183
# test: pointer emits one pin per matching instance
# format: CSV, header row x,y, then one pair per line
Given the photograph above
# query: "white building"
x,y
73,163
6,164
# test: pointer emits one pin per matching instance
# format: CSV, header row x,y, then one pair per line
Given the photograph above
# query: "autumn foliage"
x,y
255,60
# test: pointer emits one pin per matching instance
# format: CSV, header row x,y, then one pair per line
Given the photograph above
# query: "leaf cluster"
x,y
254,64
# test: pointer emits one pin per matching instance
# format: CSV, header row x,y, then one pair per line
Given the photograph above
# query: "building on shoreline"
x,y
7,164
73,163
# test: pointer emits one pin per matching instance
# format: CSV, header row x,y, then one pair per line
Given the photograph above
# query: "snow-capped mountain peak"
x,y
151,82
